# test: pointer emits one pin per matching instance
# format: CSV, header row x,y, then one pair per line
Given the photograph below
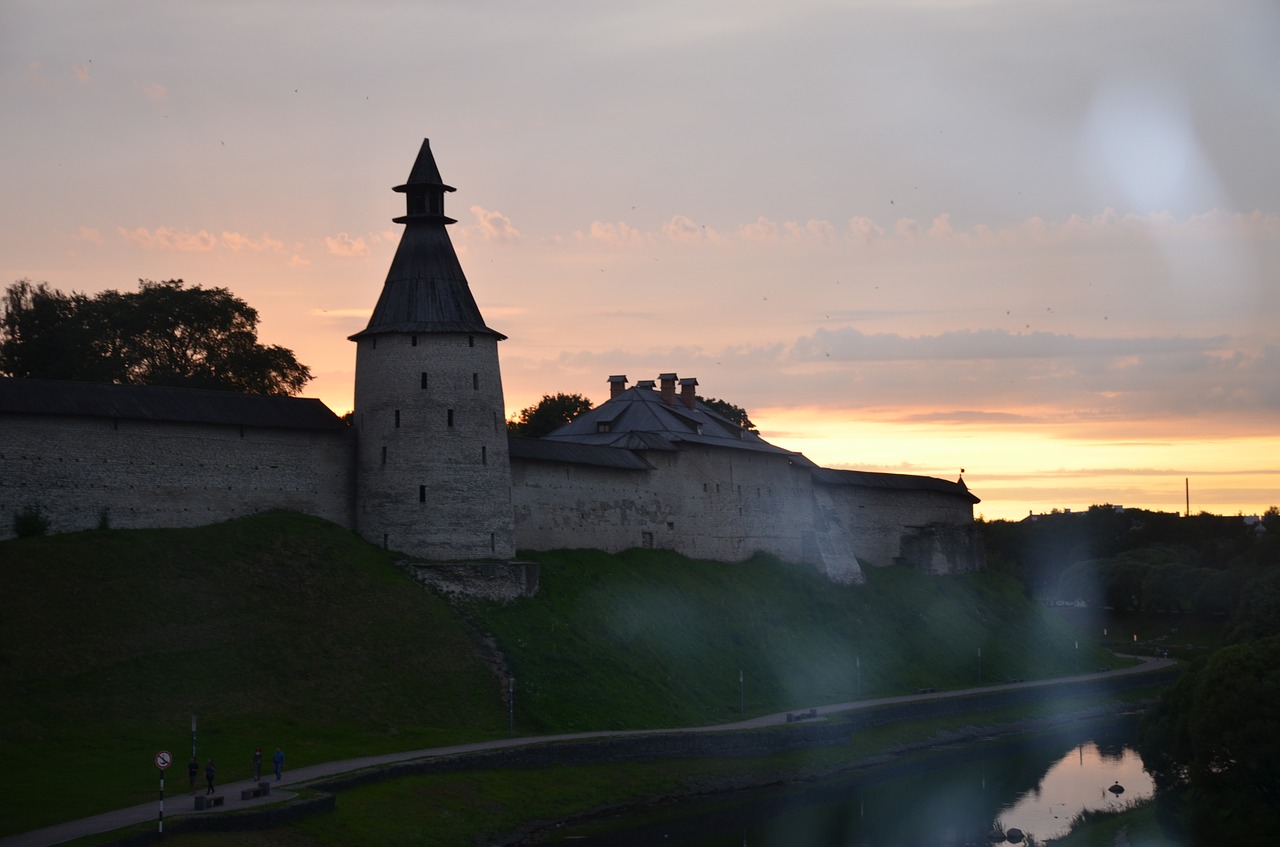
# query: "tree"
x,y
1211,746
548,414
162,334
43,334
737,414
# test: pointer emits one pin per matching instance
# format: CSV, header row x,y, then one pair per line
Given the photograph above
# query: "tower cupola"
x,y
424,192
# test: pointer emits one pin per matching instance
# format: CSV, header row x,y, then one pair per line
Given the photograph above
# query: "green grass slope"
x,y
650,638
278,629
284,629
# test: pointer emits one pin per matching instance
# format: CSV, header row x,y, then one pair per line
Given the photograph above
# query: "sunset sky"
x,y
1039,241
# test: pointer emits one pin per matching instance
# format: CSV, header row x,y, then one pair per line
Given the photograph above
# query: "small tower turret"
x,y
433,478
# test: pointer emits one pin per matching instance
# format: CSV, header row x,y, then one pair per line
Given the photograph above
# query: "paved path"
x,y
181,803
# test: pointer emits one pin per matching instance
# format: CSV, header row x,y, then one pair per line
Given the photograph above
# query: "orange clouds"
x,y
168,238
236,242
1108,225
344,245
493,225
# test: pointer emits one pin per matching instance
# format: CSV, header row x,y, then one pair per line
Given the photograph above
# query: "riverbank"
x,y
512,796
897,759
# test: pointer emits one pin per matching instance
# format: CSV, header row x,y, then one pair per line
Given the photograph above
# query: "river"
x,y
953,796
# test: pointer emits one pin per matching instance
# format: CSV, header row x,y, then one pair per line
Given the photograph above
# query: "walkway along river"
x,y
782,733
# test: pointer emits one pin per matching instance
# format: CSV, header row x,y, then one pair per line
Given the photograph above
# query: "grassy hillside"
x,y
279,629
284,629
650,638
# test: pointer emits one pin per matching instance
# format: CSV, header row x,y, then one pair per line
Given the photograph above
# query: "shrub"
x,y
30,521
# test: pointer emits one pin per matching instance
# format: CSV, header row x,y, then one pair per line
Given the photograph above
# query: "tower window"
x,y
384,455
424,379
450,417
413,341
475,382
397,418
375,342
471,341
484,455
422,494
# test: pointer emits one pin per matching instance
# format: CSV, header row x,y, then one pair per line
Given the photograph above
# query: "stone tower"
x,y
433,478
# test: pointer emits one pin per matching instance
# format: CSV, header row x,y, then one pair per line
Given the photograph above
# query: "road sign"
x,y
163,759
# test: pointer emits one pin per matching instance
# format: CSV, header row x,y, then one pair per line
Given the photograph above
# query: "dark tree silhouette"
x,y
548,414
162,334
737,414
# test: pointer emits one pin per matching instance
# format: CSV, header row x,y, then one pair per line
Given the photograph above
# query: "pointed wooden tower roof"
x,y
426,290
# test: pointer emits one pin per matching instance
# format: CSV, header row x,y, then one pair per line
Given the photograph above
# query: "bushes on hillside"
x,y
30,521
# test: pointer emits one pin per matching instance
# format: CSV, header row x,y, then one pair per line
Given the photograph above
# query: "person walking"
x,y
257,764
277,759
210,771
193,773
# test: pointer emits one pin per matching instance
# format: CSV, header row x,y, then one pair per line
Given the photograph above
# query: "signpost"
x,y
163,759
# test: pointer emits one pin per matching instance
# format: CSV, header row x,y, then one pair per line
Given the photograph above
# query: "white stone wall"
x,y
703,502
433,477
164,474
726,505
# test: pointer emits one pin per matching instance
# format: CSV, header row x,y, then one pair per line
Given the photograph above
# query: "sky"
x,y
1036,241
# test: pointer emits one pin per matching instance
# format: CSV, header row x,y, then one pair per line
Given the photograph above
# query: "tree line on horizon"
x,y
165,333
1210,743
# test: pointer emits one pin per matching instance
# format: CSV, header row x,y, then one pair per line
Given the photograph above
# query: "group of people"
x,y
211,769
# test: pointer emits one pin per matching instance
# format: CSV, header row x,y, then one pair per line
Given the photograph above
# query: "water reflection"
x,y
951,797
1083,779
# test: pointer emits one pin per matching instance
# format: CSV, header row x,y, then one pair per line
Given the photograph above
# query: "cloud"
x,y
237,242
297,261
344,245
682,229
88,233
81,72
168,238
865,230
494,226
762,231
848,344
1145,388
811,232
153,91
1104,228
616,235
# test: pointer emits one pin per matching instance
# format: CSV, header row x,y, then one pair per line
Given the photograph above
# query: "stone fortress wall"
x,y
703,502
84,471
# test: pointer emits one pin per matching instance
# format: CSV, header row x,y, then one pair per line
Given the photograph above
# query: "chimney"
x,y
646,384
688,395
617,385
668,388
